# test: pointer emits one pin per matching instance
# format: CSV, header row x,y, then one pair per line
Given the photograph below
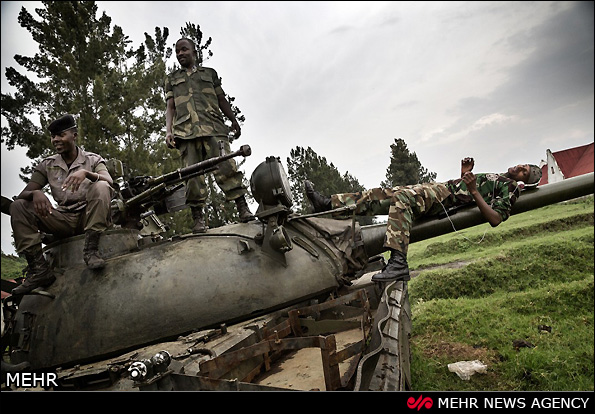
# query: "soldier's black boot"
x,y
199,220
39,273
91,251
396,268
319,202
243,210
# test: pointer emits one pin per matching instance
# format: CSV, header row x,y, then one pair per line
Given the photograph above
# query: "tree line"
x,y
88,67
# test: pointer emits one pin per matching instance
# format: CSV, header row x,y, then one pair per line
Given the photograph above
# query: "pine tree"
x,y
305,164
87,68
405,168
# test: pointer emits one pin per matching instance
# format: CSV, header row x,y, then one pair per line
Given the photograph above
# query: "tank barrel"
x,y
429,227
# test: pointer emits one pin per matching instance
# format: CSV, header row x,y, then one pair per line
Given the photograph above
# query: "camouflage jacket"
x,y
498,191
53,171
197,107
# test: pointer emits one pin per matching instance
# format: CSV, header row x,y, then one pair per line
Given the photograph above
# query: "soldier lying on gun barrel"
x,y
494,194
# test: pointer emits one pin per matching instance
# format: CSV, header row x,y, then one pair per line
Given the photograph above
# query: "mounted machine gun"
x,y
142,198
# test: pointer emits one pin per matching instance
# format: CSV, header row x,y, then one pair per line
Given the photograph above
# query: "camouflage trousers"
x,y
227,176
402,204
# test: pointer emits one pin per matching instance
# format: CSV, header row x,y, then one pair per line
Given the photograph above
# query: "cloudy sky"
x,y
499,81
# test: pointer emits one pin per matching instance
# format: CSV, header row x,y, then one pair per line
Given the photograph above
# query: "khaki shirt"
x,y
197,106
53,171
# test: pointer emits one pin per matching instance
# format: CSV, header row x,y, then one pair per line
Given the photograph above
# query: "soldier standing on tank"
x,y
81,186
494,194
195,125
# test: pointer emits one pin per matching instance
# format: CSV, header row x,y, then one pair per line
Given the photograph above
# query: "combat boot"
x,y
396,268
91,250
39,273
319,202
243,210
199,220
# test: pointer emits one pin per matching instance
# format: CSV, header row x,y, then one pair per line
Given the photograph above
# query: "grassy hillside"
x,y
518,297
12,266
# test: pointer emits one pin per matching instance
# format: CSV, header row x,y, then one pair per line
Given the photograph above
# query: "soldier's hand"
x,y
170,141
470,180
235,127
467,165
41,203
74,181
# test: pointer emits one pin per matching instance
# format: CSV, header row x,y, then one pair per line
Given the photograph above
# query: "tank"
x,y
213,311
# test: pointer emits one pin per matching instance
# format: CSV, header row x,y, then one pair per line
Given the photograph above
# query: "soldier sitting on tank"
x,y
81,186
494,194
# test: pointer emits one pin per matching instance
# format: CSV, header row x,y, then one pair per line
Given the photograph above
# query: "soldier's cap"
x,y
534,174
65,122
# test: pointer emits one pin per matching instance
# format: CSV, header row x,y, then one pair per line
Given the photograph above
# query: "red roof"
x,y
572,162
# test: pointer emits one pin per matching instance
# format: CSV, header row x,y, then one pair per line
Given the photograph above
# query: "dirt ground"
x,y
454,351
302,370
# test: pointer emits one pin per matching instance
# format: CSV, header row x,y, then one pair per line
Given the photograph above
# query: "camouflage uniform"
x,y
86,209
198,127
407,203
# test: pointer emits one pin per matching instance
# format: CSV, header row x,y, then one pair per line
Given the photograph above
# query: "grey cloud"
x,y
560,70
341,29
557,72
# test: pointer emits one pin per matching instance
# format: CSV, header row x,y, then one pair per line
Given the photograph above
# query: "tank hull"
x,y
163,290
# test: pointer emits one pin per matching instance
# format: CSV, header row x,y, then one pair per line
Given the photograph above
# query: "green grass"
x,y
12,266
534,270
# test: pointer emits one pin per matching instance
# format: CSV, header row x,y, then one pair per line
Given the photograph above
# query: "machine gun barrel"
x,y
181,174
429,227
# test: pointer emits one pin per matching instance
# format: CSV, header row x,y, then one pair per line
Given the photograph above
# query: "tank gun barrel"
x,y
429,227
